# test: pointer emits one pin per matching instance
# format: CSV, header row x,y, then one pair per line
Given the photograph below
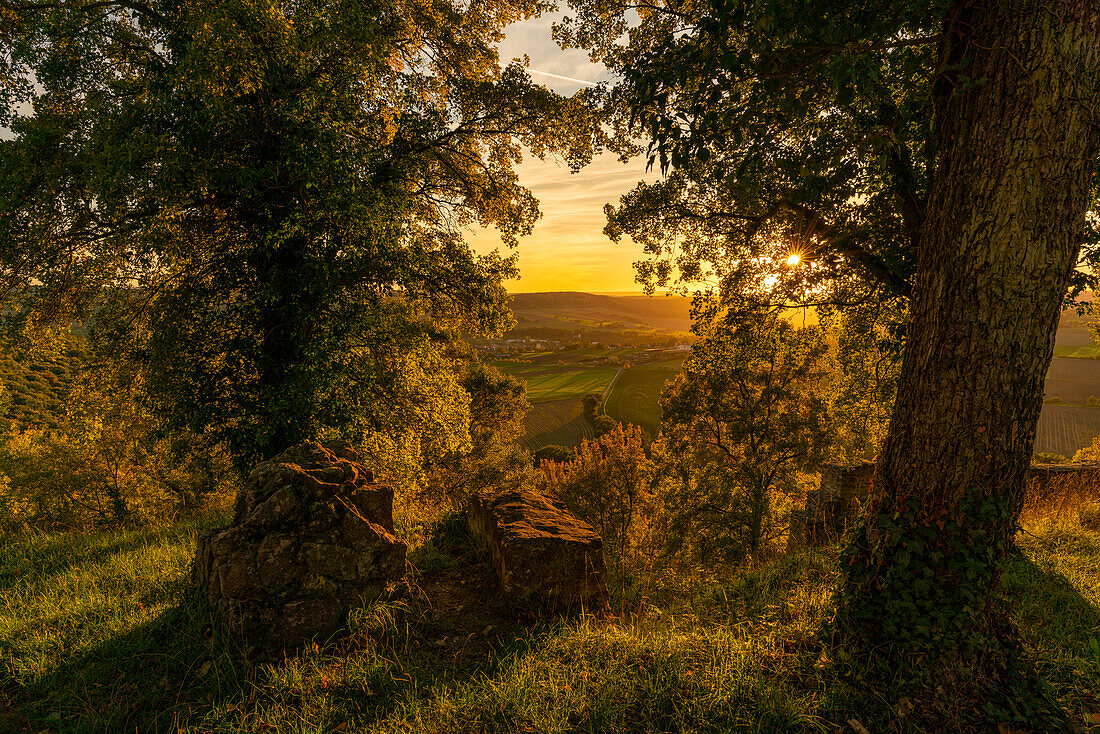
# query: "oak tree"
x,y
262,202
937,155
741,420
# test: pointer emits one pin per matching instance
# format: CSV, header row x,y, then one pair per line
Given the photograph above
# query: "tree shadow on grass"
x,y
143,679
175,671
38,558
1061,629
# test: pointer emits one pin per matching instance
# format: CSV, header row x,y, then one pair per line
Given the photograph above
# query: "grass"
x,y
561,383
635,395
102,634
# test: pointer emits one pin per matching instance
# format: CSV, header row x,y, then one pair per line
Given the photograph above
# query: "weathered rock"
x,y
541,553
832,506
311,538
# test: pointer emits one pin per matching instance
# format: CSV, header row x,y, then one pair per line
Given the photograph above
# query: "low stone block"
x,y
311,538
542,554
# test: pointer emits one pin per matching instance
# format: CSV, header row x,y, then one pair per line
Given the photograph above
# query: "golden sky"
x,y
567,250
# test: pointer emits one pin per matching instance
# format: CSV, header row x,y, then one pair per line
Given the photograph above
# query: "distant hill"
x,y
568,309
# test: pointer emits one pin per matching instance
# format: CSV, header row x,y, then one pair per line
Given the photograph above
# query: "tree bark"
x,y
1018,137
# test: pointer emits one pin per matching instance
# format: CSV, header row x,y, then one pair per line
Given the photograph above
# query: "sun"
x,y
794,259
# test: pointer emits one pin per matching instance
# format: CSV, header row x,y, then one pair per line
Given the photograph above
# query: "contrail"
x,y
565,78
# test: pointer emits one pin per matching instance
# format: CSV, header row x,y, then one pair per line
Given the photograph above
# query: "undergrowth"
x,y
102,633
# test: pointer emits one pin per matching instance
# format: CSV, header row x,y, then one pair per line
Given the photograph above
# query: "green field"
x,y
557,423
559,383
1086,351
1075,342
634,396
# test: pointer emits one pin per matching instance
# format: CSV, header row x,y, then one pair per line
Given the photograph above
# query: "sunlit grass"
x,y
103,633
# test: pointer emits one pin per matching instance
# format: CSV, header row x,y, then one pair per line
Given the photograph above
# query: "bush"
x,y
591,403
553,452
603,425
107,464
607,484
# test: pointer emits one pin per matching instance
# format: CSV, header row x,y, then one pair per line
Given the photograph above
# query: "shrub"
x,y
553,452
591,403
603,425
607,484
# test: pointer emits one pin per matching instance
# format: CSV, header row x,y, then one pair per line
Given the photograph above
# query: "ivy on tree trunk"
x,y
1017,142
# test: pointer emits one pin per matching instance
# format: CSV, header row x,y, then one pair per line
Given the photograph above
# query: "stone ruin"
x,y
829,508
544,557
311,538
843,489
1042,476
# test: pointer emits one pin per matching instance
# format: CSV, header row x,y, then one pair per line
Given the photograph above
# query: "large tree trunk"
x,y
1018,137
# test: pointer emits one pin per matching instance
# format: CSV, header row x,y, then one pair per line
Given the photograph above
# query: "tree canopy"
x,y
797,138
263,202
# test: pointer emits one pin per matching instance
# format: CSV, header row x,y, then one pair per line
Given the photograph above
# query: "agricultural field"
x,y
634,396
563,382
1063,429
1075,341
556,422
556,380
1073,378
1073,381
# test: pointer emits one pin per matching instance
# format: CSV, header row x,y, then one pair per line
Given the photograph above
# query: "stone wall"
x,y
844,488
544,557
830,507
311,538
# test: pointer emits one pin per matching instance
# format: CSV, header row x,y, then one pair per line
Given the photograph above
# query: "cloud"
x,y
568,249
571,68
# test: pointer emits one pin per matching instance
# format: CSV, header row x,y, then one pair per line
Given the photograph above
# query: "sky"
x,y
568,250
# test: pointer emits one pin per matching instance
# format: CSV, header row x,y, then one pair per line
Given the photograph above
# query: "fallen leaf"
x,y
857,727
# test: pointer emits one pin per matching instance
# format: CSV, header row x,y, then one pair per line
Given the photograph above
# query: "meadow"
x,y
559,382
635,396
103,633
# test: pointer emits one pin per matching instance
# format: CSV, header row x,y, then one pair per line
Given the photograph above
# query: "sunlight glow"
x,y
794,259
